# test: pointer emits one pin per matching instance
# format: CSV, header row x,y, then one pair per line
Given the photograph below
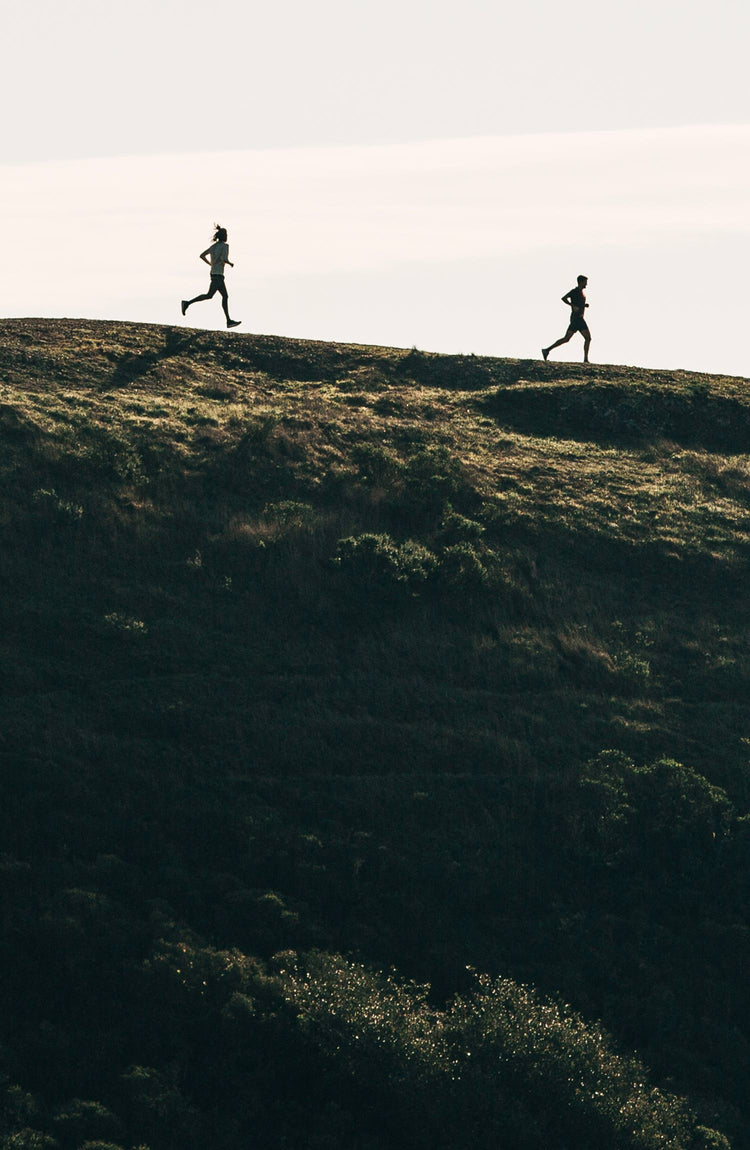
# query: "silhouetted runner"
x,y
217,256
576,299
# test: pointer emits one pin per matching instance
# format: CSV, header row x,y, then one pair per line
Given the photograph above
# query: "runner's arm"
x,y
204,254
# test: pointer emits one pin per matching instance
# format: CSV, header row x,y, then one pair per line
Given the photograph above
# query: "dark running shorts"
x,y
578,323
217,284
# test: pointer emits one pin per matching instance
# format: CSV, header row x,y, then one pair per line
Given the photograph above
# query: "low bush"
x,y
461,569
376,565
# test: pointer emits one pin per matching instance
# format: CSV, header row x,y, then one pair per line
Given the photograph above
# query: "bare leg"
x,y
225,304
586,346
217,284
197,299
558,343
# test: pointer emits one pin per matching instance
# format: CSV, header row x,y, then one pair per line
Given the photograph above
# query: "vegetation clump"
x,y
376,565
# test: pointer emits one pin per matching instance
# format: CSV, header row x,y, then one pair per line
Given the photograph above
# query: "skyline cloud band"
x,y
322,209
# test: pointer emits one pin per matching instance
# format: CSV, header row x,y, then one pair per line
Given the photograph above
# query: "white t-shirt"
x,y
218,253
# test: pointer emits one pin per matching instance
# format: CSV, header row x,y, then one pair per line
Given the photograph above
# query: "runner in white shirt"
x,y
217,256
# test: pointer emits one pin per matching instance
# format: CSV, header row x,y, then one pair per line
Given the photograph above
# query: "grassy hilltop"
x,y
322,661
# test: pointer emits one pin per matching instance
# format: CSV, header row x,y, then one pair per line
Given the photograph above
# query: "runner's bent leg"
x,y
558,343
206,295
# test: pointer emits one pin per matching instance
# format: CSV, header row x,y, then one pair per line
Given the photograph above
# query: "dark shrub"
x,y
433,481
461,569
457,528
379,565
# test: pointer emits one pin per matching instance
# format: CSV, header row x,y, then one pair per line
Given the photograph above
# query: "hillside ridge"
x,y
325,660
35,326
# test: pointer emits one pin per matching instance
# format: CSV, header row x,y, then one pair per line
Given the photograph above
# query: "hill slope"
x,y
357,650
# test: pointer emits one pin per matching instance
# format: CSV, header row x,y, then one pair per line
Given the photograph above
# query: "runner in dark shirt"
x,y
576,299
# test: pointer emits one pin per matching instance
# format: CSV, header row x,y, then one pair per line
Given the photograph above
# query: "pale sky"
x,y
395,172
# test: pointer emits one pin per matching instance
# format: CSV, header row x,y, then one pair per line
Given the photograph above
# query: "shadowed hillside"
x,y
321,661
